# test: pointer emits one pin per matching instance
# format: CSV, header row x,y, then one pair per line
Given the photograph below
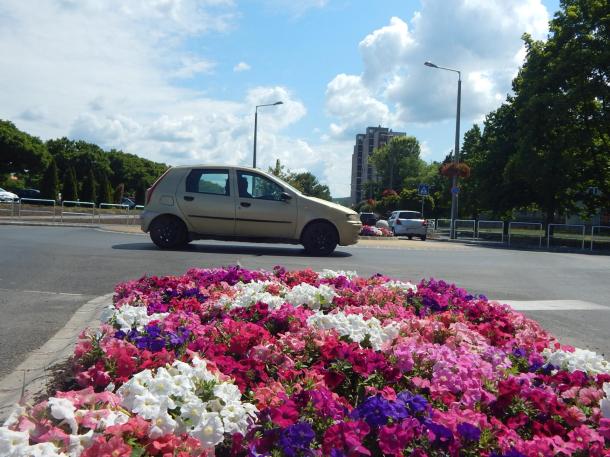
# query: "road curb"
x,y
29,379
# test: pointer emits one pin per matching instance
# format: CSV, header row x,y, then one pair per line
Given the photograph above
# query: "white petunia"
x,y
356,327
210,430
163,424
581,359
404,286
227,392
127,317
238,417
146,405
43,450
604,404
312,296
62,409
13,443
332,274
79,442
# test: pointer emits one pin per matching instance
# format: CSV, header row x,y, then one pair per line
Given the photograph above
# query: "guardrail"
x,y
465,225
36,203
123,210
9,207
443,226
517,230
77,204
564,232
490,229
603,239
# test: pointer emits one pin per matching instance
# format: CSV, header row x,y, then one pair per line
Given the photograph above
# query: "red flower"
x,y
285,415
346,437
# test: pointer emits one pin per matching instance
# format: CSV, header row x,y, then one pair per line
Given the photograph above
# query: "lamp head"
x,y
278,103
430,64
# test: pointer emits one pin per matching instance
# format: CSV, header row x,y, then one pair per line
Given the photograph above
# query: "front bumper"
x,y
348,232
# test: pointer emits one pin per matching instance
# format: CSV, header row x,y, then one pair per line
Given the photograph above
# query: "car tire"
x,y
320,239
410,237
168,232
393,232
423,237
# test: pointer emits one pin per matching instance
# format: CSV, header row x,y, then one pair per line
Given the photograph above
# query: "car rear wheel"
x,y
423,237
320,239
410,237
168,232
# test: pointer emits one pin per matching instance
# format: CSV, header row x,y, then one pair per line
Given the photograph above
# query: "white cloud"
x,y
192,66
482,38
292,7
241,66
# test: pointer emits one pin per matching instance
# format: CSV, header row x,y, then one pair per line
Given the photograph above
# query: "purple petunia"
x,y
296,438
469,432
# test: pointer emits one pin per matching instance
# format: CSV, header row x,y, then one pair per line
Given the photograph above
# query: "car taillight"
x,y
425,223
398,222
151,189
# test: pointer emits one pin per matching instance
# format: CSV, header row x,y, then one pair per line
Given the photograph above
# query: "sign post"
x,y
423,190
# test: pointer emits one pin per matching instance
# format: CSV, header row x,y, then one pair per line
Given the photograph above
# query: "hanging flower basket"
x,y
451,169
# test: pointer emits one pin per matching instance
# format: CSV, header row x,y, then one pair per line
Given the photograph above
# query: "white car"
x,y
409,224
6,196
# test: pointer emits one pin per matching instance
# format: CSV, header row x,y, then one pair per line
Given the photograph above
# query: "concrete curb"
x,y
30,377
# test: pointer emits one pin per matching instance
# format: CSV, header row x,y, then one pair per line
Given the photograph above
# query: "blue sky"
x,y
177,80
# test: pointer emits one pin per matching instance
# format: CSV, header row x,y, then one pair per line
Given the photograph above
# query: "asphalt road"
x,y
46,273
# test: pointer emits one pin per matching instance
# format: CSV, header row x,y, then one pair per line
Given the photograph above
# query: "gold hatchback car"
x,y
242,204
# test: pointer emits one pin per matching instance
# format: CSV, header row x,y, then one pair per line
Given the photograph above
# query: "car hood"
x,y
8,194
330,205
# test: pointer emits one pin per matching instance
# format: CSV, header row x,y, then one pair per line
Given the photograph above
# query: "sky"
x,y
177,81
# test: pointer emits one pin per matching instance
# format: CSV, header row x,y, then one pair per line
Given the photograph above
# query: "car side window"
x,y
215,182
252,185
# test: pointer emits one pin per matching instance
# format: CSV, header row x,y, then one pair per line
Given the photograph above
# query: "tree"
x,y
88,191
398,163
70,185
20,152
119,191
105,191
306,182
49,187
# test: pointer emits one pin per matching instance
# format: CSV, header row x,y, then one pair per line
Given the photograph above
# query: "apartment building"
x,y
362,170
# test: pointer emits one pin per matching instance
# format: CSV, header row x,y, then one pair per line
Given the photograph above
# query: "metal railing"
x,y
33,205
9,207
111,207
77,204
604,240
517,230
442,227
465,225
566,230
487,229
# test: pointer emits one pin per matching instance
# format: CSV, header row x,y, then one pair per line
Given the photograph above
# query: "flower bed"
x,y
231,362
369,230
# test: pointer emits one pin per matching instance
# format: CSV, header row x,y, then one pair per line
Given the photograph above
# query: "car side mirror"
x,y
285,197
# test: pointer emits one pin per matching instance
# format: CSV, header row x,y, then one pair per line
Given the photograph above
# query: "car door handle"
x,y
245,204
189,198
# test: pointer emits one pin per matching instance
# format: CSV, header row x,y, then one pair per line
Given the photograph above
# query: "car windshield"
x,y
285,184
2,190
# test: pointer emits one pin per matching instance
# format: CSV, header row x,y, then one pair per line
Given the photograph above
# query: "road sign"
x,y
423,190
455,190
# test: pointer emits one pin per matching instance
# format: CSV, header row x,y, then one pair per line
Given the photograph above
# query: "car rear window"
x,y
409,215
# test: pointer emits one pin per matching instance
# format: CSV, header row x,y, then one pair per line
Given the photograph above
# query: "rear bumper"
x,y
404,230
146,218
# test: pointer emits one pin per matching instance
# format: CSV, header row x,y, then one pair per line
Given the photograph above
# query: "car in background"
x,y
128,202
6,196
242,204
368,218
28,193
409,224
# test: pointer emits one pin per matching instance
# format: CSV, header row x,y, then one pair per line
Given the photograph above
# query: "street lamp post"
x,y
456,149
256,127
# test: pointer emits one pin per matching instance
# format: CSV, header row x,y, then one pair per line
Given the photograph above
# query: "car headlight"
x,y
352,217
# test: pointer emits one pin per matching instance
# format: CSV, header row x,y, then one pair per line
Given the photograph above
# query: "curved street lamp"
x,y
256,126
456,149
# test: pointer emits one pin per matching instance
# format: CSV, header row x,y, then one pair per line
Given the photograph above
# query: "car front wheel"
x,y
168,232
320,239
